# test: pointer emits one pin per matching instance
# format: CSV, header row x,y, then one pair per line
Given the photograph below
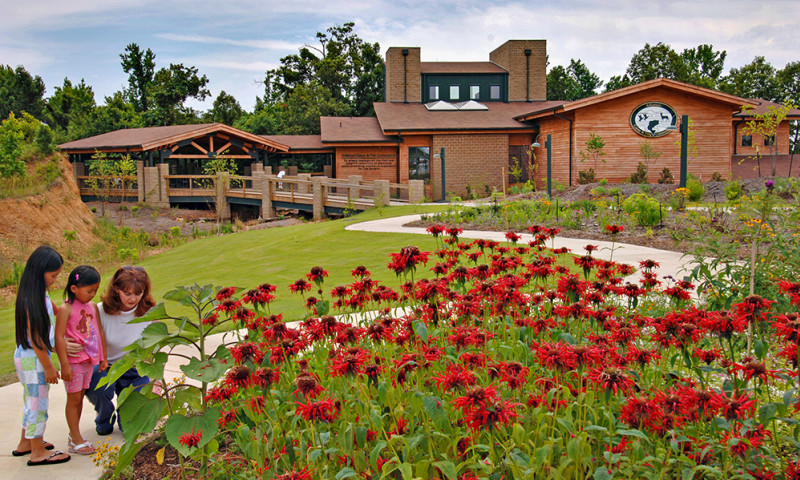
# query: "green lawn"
x,y
278,256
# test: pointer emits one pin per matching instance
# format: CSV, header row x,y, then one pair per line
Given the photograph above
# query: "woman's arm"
x,y
62,317
104,350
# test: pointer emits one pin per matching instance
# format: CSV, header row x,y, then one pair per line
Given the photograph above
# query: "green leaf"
x,y
405,469
361,436
595,428
633,433
179,425
346,472
376,451
421,330
767,412
117,369
520,458
154,334
139,414
436,412
322,307
207,371
760,348
159,312
447,468
603,473
154,369
541,454
518,433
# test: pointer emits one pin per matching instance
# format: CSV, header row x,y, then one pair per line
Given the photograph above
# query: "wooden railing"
x,y
190,185
108,186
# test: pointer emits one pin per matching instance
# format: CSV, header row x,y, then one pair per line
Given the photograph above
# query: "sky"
x,y
234,42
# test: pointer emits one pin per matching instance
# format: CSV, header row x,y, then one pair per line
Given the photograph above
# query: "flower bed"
x,y
500,364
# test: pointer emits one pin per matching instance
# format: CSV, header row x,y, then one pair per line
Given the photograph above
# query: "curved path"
x,y
671,263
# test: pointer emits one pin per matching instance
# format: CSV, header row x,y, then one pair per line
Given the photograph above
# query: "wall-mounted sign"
x,y
653,119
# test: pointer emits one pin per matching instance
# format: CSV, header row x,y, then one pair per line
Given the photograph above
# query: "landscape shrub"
x,y
587,176
733,190
696,189
640,175
666,176
643,208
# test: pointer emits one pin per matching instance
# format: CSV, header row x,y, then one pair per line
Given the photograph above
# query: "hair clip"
x,y
76,277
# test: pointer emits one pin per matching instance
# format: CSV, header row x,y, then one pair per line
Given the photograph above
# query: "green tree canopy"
x,y
20,91
69,109
572,83
757,79
117,113
701,66
350,69
140,67
225,110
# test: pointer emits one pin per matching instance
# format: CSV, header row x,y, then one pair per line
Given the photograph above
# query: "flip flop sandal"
x,y
49,460
17,453
79,449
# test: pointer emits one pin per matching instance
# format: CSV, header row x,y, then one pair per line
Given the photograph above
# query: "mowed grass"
x,y
278,256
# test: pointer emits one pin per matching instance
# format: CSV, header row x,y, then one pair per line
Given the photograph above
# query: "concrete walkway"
x,y
82,468
671,263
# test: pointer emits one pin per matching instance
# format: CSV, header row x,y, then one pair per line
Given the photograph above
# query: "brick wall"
x,y
470,159
511,56
395,91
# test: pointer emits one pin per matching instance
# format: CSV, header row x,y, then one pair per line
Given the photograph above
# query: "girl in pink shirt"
x,y
79,320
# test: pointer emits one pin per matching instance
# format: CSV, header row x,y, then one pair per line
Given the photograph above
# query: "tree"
x,y
140,67
757,79
789,80
572,83
170,89
116,114
19,91
766,125
701,66
300,114
69,109
350,69
109,175
225,109
11,142
594,152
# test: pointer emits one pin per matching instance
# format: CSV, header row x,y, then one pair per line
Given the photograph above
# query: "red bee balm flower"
x,y
614,229
325,410
191,439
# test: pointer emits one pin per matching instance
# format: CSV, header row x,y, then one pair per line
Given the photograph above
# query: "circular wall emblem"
x,y
653,119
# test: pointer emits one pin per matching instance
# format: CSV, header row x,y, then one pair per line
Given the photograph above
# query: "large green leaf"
x,y
179,425
154,369
117,369
139,414
159,312
437,413
209,370
154,334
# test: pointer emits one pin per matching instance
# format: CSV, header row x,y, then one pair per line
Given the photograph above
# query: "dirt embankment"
x,y
43,219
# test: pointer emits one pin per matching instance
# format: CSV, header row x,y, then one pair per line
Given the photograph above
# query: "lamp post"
x,y
549,146
684,148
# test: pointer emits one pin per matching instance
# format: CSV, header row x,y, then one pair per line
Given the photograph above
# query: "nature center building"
x,y
478,126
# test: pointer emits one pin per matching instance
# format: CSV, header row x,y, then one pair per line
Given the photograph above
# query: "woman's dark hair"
x,y
80,276
31,307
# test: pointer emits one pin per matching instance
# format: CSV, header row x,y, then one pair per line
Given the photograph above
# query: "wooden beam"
x,y
223,148
199,148
211,143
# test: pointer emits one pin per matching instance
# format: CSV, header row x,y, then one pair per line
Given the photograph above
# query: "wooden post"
x,y
318,206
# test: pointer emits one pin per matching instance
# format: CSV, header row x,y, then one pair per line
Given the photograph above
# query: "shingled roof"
x,y
404,117
149,138
460,67
353,130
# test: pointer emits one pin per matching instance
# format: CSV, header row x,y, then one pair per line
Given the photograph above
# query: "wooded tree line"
x,y
340,75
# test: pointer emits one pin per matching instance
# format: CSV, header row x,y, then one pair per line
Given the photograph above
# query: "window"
x,y
454,92
419,164
769,140
494,92
474,92
747,140
433,92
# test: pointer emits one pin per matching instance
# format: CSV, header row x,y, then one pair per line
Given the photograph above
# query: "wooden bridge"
x,y
320,195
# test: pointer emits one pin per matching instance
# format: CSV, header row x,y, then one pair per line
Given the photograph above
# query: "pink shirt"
x,y
82,327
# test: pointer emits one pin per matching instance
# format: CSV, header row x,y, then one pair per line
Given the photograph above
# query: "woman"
x,y
128,297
